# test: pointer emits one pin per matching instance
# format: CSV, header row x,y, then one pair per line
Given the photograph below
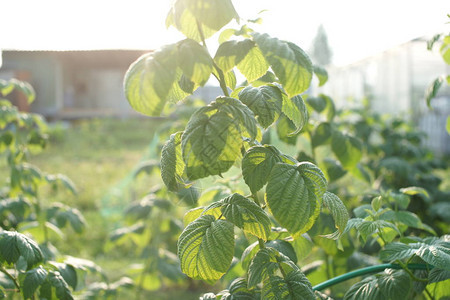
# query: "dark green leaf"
x,y
149,80
206,248
68,272
333,169
257,164
172,164
32,280
437,275
194,61
288,61
245,214
294,195
60,285
322,134
265,102
263,265
13,245
347,149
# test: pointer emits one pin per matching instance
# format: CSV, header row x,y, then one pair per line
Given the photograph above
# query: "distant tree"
x,y
320,49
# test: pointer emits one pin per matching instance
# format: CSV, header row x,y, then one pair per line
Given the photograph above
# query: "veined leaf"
x,y
284,248
257,164
389,285
149,80
437,275
194,61
245,214
288,61
435,252
239,290
367,228
265,102
60,285
321,74
285,127
32,279
262,265
337,209
346,148
295,109
13,245
67,272
294,194
206,248
433,89
211,15
172,164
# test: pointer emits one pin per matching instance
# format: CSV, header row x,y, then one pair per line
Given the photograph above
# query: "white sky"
x,y
355,28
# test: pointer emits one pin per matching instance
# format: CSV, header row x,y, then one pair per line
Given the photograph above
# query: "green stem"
x,y
406,269
428,294
365,271
4,271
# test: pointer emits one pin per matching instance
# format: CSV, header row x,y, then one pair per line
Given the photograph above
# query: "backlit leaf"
x,y
172,164
288,61
294,194
295,109
321,74
194,61
337,209
206,248
346,148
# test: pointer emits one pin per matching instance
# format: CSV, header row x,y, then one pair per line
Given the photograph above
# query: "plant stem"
x,y
407,270
4,271
428,294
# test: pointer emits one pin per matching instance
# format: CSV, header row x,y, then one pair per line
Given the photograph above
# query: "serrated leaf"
x,y
294,194
60,285
295,109
192,214
265,102
172,164
13,245
211,16
194,61
206,248
346,148
436,252
437,275
32,280
244,214
150,79
321,74
367,228
389,285
337,209
284,129
257,164
288,61
68,272
262,265
433,89
285,248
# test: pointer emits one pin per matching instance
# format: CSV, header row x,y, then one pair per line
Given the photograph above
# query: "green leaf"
x,y
172,164
321,74
194,61
285,248
245,214
445,49
64,180
322,134
212,15
68,272
149,80
414,190
239,290
390,285
13,245
433,89
333,169
285,127
32,280
437,275
447,126
295,109
368,228
346,148
288,61
206,248
294,194
262,265
63,214
337,209
214,136
257,164
60,285
436,252
25,88
265,102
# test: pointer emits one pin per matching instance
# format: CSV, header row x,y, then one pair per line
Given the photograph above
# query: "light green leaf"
x,y
194,61
294,194
295,109
245,214
322,134
415,190
13,245
265,102
288,61
433,89
257,164
172,164
206,248
346,148
192,214
149,80
32,279
447,126
321,74
284,129
445,49
436,252
337,209
367,228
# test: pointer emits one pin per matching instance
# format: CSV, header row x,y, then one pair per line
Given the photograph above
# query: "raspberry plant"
x,y
284,196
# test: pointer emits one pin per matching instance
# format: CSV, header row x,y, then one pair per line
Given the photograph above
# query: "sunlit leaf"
x,y
172,164
337,209
194,61
346,148
321,74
